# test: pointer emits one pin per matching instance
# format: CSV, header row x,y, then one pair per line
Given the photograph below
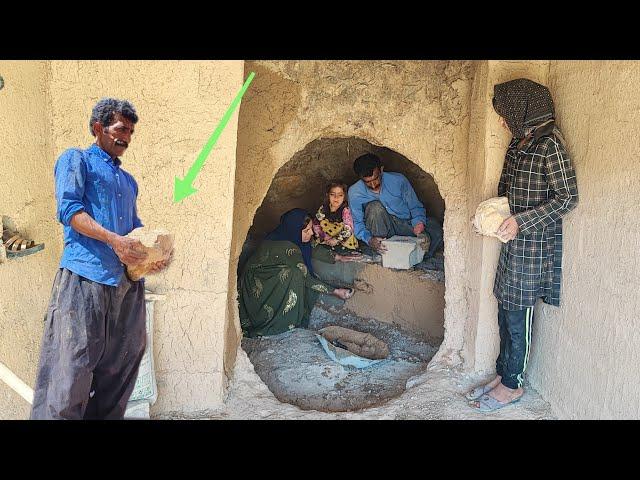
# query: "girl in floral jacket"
x,y
333,224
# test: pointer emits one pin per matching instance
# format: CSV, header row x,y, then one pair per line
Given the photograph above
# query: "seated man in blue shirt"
x,y
384,204
94,335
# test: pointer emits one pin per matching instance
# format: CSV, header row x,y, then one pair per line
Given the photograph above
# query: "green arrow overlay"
x,y
183,187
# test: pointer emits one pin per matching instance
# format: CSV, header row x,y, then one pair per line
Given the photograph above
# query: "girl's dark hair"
x,y
305,222
333,184
337,215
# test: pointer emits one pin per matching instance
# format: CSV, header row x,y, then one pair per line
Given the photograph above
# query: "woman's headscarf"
x,y
290,229
524,104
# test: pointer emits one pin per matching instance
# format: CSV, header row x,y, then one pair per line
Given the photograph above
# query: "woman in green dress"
x,y
277,285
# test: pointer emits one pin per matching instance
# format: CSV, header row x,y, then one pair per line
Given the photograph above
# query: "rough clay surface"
x,y
411,299
435,394
45,109
297,370
437,114
417,109
12,405
26,202
586,353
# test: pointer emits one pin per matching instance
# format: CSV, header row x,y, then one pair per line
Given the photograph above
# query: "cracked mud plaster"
x,y
179,103
419,109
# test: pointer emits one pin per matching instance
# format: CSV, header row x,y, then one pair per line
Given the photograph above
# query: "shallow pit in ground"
x,y
297,370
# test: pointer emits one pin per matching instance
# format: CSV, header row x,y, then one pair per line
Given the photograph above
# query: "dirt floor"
x,y
434,393
298,371
406,386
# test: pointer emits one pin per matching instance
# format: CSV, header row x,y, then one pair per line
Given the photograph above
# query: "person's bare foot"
x,y
495,382
343,293
502,394
481,390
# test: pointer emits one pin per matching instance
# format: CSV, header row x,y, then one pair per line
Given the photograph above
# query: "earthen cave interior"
x,y
405,308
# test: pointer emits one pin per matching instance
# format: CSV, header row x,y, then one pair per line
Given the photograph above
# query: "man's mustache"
x,y
121,143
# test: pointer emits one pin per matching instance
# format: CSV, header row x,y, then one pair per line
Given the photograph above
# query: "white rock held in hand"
x,y
158,244
489,216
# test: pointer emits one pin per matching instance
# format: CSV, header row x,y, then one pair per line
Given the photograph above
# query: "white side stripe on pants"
x,y
527,335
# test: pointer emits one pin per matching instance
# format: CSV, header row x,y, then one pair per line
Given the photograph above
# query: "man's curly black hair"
x,y
105,110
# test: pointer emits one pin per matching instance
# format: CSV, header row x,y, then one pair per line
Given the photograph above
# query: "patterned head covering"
x,y
290,229
523,104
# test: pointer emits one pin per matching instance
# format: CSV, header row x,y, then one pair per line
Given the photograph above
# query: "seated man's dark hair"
x,y
365,164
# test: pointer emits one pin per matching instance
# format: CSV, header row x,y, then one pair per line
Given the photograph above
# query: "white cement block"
x,y
402,252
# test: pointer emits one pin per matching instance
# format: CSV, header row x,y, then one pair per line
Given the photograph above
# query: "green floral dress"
x,y
276,291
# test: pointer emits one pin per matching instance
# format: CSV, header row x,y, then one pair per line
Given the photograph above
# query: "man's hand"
x,y
376,244
130,252
348,258
509,229
419,228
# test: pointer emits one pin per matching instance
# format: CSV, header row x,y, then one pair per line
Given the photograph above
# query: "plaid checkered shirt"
x,y
540,183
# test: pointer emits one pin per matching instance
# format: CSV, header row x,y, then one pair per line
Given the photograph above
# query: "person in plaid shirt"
x,y
540,183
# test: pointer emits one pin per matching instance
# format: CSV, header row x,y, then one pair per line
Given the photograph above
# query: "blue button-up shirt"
x,y
91,181
396,195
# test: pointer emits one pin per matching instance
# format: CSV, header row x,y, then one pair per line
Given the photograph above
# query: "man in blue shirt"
x,y
94,334
384,204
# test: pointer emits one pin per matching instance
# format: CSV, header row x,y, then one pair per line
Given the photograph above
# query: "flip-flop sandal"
x,y
17,246
490,404
477,392
350,294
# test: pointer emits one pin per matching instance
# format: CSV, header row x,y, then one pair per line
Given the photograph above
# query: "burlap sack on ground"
x,y
359,343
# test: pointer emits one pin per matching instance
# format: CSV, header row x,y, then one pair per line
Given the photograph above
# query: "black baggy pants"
x,y
93,342
382,224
